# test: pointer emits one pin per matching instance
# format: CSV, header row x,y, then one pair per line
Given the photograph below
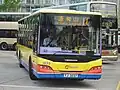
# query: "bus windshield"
x,y
107,10
68,32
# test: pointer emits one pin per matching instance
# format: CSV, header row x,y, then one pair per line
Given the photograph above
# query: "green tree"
x,y
10,6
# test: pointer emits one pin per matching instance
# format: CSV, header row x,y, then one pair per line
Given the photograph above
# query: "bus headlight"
x,y
44,68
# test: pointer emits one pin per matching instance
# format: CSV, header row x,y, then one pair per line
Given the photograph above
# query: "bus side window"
x,y
36,22
43,34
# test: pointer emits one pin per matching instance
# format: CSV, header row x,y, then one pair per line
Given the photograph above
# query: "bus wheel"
x,y
4,46
81,79
77,79
31,75
16,52
14,46
19,58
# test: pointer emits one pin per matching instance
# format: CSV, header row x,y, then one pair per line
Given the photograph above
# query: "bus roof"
x,y
14,13
62,11
102,2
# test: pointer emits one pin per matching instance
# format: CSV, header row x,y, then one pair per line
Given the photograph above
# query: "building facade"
x,y
28,5
1,2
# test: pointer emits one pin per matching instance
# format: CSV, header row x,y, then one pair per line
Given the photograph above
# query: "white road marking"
x,y
33,87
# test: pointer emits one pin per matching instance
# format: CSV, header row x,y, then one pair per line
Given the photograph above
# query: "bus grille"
x,y
67,58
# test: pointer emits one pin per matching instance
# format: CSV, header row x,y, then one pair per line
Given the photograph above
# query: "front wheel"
x,y
77,79
14,46
31,75
19,58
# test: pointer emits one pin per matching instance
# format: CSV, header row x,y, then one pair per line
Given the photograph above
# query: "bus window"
x,y
107,10
8,33
69,32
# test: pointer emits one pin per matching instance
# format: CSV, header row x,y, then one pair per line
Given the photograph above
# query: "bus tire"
x,y
14,46
77,79
16,53
19,58
81,79
4,46
31,75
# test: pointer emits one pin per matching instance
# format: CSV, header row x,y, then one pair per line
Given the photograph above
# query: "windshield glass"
x,y
107,10
70,32
8,33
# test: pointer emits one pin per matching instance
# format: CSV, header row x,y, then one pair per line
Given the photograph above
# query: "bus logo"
x,y
68,66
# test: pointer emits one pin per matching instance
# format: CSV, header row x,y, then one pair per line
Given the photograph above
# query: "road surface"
x,y
14,78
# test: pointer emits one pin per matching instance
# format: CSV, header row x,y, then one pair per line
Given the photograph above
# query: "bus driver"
x,y
50,41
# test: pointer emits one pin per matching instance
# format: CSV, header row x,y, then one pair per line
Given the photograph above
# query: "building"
x,y
28,5
78,1
1,2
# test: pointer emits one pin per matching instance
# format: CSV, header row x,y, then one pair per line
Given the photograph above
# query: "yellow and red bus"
x,y
60,44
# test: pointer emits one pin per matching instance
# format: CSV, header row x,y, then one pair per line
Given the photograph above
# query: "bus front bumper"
x,y
66,76
109,58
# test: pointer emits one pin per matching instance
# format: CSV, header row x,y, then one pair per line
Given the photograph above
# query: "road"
x,y
14,78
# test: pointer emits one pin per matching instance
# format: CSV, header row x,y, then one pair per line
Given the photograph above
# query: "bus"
x,y
109,24
60,44
9,28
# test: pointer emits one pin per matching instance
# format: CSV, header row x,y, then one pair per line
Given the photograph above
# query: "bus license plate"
x,y
71,75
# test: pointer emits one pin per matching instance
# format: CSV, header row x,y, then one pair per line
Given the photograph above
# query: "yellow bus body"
x,y
89,70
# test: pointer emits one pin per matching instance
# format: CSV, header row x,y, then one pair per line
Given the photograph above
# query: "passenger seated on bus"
x,y
50,41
